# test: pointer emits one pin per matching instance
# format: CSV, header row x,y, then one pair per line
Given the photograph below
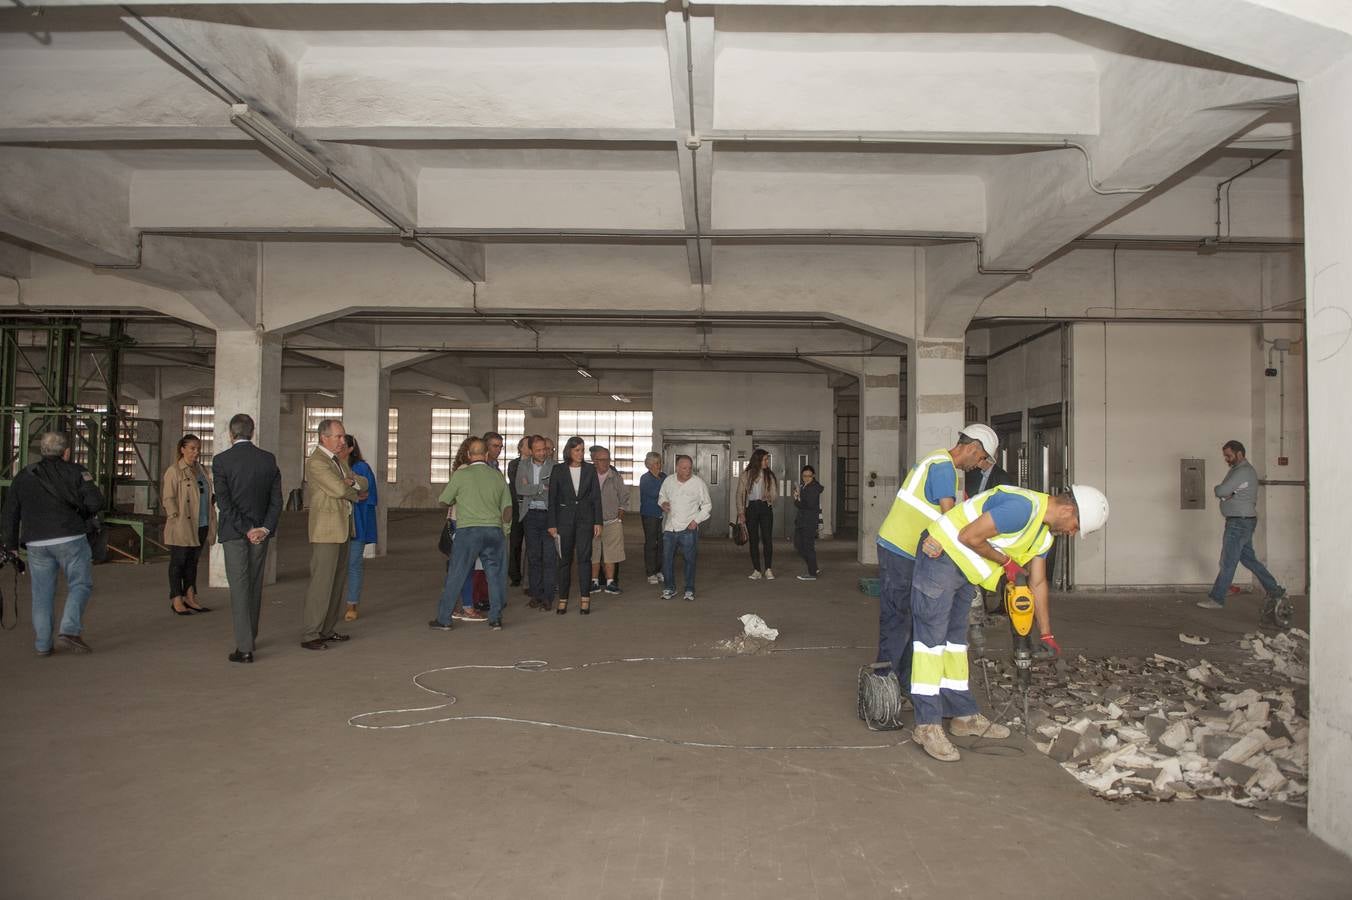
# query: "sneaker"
x,y
613,588
47,652
595,586
769,575
75,642
977,726
807,577
495,624
351,614
668,593
437,626
934,742
689,595
756,575
1208,603
654,579
469,615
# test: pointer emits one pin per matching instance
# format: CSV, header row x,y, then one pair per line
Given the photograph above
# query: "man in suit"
x,y
985,477
330,488
518,536
249,499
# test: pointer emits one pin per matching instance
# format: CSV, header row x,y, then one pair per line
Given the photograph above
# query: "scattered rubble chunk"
x,y
1194,639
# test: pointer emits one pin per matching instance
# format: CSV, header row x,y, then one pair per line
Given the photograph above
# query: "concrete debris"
x,y
1164,729
1195,640
755,639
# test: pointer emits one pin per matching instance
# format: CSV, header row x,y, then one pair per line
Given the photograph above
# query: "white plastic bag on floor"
x,y
754,626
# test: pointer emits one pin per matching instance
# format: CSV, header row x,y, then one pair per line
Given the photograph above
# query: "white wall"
x,y
1144,397
1024,377
742,402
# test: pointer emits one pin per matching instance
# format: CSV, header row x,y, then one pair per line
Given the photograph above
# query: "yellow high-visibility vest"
x,y
1033,539
911,512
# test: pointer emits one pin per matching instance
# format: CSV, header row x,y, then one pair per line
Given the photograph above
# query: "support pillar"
x,y
880,465
935,396
366,416
483,417
248,380
1326,133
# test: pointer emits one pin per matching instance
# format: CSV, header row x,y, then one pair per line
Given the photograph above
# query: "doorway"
x,y
708,450
789,452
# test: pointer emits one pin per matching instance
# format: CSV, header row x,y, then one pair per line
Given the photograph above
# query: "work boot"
x,y
977,726
1268,617
936,743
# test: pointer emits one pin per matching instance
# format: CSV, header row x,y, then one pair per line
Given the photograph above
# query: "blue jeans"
x,y
688,542
894,613
484,542
356,569
1236,548
941,598
74,559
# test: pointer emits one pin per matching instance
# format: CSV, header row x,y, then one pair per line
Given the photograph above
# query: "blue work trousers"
x,y
73,559
488,544
1236,548
894,613
941,598
687,542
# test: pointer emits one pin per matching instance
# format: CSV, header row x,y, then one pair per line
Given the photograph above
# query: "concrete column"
x,y
936,386
483,417
248,380
366,415
1278,453
1326,133
879,448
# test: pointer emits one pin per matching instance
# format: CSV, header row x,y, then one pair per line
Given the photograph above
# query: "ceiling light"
x,y
584,373
330,394
620,398
292,154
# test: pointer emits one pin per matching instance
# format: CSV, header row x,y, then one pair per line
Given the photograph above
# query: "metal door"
x,y
1047,473
789,452
711,463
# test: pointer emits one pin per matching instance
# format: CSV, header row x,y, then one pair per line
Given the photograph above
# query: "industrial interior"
x,y
1116,233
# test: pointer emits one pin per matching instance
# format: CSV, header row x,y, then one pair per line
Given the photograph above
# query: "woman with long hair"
x,y
575,520
756,489
186,495
363,521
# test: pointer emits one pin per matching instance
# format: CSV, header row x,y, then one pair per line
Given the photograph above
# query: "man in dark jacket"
x,y
47,510
986,477
249,497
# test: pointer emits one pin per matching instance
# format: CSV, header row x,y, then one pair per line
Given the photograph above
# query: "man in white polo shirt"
x,y
685,504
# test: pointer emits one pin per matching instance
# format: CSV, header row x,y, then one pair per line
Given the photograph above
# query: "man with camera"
x,y
48,510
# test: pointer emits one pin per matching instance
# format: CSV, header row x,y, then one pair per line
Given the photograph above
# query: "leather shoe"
x,y
336,638
316,644
241,657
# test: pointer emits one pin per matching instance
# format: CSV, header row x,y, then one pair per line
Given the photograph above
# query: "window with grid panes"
x,y
847,448
392,448
512,427
450,427
313,416
201,421
628,434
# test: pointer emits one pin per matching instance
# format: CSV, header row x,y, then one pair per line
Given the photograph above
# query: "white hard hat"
x,y
1093,507
983,434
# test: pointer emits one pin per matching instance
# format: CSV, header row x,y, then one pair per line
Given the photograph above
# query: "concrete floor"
x,y
154,768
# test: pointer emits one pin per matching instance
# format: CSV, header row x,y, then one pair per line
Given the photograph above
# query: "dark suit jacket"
x,y
512,468
248,490
571,510
997,477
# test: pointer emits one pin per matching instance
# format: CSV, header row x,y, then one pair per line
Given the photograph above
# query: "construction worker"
x,y
929,490
1006,531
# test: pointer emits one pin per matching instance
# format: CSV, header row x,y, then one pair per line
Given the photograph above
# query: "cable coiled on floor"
x,y
880,700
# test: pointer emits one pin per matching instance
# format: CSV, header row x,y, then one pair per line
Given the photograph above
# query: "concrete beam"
x,y
15,261
218,277
74,202
690,55
467,256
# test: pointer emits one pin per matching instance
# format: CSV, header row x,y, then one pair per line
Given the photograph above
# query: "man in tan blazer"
x,y
330,488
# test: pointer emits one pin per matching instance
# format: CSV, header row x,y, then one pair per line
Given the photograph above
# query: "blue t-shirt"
x,y
1010,512
939,482
649,486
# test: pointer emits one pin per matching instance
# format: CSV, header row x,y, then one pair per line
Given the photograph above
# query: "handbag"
x,y
739,534
447,537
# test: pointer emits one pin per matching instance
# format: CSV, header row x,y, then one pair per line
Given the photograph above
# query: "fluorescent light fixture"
x,y
435,395
330,394
292,154
620,398
584,373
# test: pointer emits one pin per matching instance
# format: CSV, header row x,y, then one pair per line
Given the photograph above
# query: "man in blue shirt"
x,y
1238,493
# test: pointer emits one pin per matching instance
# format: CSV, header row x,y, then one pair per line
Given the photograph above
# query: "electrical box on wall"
x,y
1192,483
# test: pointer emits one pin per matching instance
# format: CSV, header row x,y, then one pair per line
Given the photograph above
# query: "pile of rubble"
x,y
1168,729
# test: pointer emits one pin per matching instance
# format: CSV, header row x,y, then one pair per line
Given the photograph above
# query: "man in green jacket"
x,y
483,513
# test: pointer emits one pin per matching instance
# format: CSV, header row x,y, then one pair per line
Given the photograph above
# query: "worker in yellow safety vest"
x,y
1006,531
929,490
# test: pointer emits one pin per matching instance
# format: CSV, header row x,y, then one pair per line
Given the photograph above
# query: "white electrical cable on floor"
x,y
540,665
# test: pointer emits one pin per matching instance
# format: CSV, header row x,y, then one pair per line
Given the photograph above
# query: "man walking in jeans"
x,y
1239,504
46,510
483,509
685,501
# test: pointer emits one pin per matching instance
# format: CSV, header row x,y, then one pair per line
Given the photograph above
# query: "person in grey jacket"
x,y
1238,494
542,555
609,550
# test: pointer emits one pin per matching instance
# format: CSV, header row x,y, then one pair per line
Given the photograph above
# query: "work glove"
x,y
1050,648
1013,570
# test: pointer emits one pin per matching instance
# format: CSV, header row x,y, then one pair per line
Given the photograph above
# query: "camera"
x,y
10,558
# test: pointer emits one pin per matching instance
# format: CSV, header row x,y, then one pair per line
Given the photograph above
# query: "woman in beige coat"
x,y
189,526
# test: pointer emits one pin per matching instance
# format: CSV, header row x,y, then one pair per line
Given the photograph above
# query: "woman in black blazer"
x,y
574,520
